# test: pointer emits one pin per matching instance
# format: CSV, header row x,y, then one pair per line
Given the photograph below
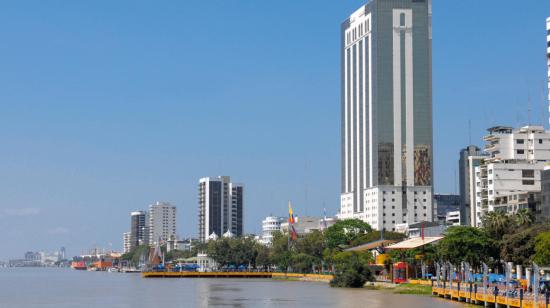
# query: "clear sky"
x,y
108,106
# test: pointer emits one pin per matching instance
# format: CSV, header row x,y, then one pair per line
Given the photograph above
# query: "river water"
x,y
49,287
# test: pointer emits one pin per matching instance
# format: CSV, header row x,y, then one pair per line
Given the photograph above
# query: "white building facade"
x,y
270,225
162,222
126,242
514,166
387,113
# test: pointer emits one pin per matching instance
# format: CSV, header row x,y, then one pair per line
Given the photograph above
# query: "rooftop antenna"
x,y
305,187
529,109
542,101
469,131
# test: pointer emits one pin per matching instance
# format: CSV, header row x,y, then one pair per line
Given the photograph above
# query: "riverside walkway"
x,y
305,277
474,294
206,274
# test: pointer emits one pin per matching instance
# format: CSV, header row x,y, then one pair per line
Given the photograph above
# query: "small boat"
x,y
79,265
113,270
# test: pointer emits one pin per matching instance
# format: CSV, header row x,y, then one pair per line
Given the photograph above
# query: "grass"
x,y
416,289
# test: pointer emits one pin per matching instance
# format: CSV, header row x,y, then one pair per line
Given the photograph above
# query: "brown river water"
x,y
49,287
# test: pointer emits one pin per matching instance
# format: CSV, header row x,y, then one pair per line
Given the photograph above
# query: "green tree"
x,y
302,262
137,254
542,249
344,232
279,254
496,224
468,244
519,246
312,244
352,270
523,217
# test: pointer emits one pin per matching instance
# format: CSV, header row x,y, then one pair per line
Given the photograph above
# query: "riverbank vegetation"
x,y
502,238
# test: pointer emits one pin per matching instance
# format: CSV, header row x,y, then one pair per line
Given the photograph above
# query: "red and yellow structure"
x,y
478,296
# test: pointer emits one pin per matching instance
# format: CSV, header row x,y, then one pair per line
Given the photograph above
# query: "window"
x,y
402,19
520,152
528,182
520,141
392,214
540,141
528,173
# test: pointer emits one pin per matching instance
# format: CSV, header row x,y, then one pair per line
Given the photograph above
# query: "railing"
x,y
474,293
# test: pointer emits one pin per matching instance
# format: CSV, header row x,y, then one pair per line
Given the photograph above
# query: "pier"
x,y
475,294
206,274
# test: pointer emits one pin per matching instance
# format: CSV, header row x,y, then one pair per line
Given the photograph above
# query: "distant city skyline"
x,y
106,110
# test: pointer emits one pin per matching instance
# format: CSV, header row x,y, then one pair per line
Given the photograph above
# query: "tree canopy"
x,y
344,232
467,244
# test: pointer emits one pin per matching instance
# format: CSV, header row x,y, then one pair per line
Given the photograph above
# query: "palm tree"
x,y
523,217
496,223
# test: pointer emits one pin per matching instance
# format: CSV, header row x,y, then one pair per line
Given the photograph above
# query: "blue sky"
x,y
108,106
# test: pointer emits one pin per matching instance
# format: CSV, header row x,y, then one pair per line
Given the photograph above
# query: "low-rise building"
x,y
453,218
270,225
443,204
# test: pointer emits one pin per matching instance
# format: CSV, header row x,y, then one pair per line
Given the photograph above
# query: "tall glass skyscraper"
x,y
387,113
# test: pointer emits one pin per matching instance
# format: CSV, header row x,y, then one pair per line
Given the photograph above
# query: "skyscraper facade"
x,y
548,57
162,222
387,113
138,229
220,207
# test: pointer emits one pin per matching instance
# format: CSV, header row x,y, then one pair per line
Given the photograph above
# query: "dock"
x,y
206,274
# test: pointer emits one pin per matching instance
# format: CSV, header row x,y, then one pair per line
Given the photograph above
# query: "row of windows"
x,y
393,192
357,32
522,141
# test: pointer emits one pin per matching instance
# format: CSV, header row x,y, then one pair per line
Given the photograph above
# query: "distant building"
x,y
304,225
162,222
33,256
470,157
516,158
386,113
445,203
270,225
62,253
220,207
138,229
325,223
545,194
126,241
514,202
415,230
453,218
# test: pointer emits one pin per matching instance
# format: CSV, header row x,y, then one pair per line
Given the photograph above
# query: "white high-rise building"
x,y
387,113
220,207
162,222
516,158
126,240
269,225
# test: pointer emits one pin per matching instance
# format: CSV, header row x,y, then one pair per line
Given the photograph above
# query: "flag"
x,y
290,214
325,218
293,234
291,221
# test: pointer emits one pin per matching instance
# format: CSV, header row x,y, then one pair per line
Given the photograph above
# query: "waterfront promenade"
x,y
493,294
274,275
